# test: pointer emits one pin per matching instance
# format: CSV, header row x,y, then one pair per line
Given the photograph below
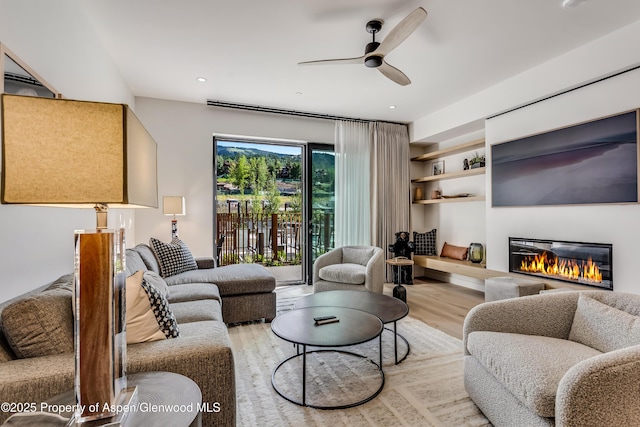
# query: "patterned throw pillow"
x,y
425,243
160,307
173,258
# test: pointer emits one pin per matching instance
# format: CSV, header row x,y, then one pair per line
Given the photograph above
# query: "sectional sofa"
x,y
36,339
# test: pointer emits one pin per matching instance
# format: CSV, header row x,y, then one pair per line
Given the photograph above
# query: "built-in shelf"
x,y
457,174
450,200
468,146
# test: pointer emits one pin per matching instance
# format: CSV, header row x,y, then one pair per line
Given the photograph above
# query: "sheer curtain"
x,y
352,184
391,183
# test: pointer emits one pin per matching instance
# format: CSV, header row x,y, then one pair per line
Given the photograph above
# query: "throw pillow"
x,y
174,258
142,325
454,252
425,243
603,327
161,309
40,324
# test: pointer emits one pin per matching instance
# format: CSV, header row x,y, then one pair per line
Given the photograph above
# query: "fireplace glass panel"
x,y
573,262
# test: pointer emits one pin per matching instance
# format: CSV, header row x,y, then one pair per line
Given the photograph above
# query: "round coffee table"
x,y
354,327
386,308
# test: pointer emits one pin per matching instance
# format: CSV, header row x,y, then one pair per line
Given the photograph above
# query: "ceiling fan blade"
x,y
394,74
401,31
358,60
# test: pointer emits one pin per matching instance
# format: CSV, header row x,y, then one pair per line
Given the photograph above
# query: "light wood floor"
x,y
440,305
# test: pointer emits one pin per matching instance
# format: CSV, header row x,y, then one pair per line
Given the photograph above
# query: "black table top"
x,y
385,307
354,327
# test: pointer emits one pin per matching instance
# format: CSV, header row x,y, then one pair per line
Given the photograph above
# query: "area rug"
x,y
424,390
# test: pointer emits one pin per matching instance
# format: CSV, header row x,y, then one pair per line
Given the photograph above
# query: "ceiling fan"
x,y
375,52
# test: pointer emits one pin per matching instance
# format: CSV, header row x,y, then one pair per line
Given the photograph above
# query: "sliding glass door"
x,y
320,202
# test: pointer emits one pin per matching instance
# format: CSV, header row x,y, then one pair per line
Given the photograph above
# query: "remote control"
x,y
326,321
319,318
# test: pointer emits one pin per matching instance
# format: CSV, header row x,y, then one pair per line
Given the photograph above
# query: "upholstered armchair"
x,y
358,268
557,359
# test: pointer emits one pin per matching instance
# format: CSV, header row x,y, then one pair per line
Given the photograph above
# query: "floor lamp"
x,y
59,152
173,205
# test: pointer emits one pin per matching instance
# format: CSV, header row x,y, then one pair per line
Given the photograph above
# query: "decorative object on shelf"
x,y
173,205
527,171
477,161
456,196
417,195
436,194
403,248
465,164
437,167
476,252
96,154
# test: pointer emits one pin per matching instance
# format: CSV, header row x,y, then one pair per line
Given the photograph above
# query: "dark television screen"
x,y
590,163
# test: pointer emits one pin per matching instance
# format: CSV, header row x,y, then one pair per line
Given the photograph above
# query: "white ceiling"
x,y
249,49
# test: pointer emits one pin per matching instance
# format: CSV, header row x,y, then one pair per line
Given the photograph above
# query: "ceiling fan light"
x,y
373,61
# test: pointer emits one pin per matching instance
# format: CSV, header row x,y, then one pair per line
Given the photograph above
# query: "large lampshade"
x,y
65,152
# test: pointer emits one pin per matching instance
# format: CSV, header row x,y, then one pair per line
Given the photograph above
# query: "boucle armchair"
x,y
359,268
564,359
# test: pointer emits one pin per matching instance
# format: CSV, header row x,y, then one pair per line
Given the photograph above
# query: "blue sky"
x,y
280,149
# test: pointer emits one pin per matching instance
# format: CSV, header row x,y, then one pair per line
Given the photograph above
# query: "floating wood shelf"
x,y
458,174
472,145
450,200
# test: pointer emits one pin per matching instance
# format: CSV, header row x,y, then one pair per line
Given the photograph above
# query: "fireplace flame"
x,y
567,269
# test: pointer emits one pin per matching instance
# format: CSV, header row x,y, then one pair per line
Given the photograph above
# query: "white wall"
x,y
55,40
616,224
184,133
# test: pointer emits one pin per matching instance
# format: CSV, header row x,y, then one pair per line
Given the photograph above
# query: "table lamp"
x,y
173,205
59,152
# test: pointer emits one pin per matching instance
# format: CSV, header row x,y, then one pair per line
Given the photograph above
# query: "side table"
x,y
165,399
398,290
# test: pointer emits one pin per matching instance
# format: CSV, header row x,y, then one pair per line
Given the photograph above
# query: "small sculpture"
x,y
403,248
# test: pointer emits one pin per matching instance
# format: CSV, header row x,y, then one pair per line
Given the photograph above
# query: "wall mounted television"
x,y
595,162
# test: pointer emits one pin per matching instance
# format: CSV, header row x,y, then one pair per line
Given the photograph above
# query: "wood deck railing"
x,y
273,239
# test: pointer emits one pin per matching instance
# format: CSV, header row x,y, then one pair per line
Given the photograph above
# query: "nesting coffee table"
x,y
354,327
386,308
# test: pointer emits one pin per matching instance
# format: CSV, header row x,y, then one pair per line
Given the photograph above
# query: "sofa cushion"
x,y
529,366
40,324
197,311
173,258
356,255
157,282
193,292
425,243
142,325
148,257
237,279
353,274
603,327
134,262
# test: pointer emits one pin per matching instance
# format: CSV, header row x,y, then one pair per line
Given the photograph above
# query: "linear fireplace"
x,y
588,264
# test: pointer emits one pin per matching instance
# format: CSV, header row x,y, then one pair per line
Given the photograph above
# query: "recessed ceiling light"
x,y
392,106
201,79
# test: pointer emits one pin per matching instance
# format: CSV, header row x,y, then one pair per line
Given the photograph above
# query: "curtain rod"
x,y
262,109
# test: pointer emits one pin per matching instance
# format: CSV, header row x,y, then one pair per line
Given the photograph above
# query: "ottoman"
x,y
497,288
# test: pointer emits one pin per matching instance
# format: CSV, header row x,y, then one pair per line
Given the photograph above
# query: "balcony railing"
x,y
271,239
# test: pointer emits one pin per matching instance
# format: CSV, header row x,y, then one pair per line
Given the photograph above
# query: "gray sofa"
x,y
564,359
44,365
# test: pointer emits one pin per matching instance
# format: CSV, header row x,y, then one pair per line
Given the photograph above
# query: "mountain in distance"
x,y
236,152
